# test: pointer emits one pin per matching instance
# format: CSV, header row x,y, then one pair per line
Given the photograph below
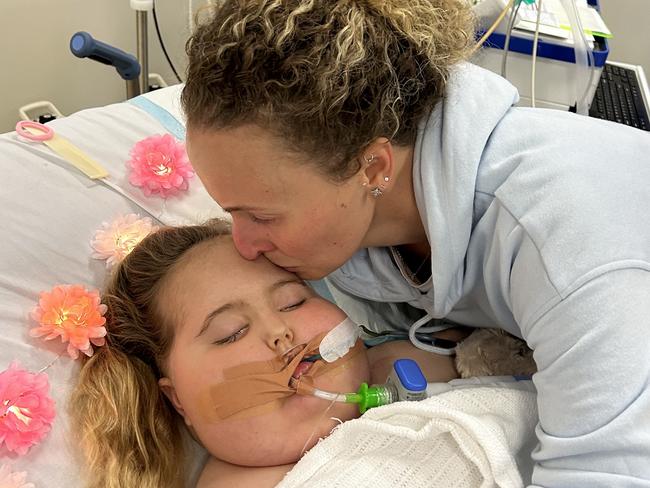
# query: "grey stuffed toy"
x,y
493,352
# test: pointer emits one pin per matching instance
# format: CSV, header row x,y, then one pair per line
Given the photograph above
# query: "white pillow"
x,y
49,213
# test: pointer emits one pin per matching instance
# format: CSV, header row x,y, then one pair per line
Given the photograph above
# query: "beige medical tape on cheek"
x,y
263,383
250,385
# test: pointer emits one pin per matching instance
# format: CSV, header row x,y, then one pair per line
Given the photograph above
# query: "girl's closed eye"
x,y
233,337
293,305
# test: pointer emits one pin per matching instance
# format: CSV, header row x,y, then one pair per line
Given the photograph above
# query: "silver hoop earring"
x,y
369,159
376,192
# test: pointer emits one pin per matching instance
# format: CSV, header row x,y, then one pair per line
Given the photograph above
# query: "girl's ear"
x,y
167,387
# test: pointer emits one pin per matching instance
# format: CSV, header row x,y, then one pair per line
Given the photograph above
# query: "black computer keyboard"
x,y
618,98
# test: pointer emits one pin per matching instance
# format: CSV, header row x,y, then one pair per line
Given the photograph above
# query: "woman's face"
x,y
228,311
281,207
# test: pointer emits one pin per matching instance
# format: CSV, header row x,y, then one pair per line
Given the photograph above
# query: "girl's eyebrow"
x,y
240,303
223,308
288,281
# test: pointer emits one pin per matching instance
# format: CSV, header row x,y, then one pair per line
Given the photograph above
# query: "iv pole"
x,y
142,8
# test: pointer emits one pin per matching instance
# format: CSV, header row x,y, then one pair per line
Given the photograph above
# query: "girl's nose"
x,y
281,340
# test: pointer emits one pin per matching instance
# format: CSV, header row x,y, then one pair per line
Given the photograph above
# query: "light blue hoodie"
x,y
539,223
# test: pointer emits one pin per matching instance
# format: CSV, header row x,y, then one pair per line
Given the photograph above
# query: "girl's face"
x,y
229,311
281,207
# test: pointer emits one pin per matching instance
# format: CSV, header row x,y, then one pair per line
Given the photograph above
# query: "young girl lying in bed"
x,y
189,322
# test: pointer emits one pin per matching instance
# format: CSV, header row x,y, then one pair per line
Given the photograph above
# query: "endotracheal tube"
x,y
407,382
366,396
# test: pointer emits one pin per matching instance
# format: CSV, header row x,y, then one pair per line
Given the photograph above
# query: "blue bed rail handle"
x,y
83,45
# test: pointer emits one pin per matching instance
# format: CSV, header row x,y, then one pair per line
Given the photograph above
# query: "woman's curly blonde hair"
x,y
327,77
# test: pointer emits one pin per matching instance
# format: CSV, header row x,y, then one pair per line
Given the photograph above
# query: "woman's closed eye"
x,y
261,220
232,337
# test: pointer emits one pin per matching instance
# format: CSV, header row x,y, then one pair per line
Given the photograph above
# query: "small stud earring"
x,y
386,179
376,192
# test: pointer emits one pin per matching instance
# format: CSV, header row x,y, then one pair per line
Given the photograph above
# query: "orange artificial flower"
x,y
74,314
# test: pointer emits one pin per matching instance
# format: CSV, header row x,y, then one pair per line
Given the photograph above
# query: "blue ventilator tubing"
x,y
83,45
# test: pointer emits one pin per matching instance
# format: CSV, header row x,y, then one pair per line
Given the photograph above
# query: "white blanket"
x,y
470,438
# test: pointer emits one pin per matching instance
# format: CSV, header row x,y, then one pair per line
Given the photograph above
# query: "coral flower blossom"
x,y
114,240
159,165
74,314
26,411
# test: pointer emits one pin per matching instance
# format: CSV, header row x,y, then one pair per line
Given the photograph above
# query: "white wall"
x,y
36,62
629,21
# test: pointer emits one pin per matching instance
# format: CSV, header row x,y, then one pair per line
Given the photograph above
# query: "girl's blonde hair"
x,y
130,435
327,77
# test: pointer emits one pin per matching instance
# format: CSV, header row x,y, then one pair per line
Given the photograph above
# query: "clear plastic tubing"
x,y
584,65
330,396
377,395
366,396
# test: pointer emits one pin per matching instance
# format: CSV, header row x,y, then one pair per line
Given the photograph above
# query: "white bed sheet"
x,y
49,213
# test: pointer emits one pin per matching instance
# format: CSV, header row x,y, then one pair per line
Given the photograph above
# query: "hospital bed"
x,y
50,212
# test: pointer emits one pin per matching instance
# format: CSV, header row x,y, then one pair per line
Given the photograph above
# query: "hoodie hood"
x,y
447,155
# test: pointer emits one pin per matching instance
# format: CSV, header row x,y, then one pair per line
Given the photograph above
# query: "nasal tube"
x,y
406,382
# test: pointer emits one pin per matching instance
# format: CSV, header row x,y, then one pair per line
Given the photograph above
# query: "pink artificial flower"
x,y
118,238
74,314
9,479
26,409
159,165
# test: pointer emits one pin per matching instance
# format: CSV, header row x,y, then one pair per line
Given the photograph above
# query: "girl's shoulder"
x,y
436,367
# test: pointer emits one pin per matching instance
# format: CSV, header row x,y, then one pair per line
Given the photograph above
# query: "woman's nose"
x,y
249,240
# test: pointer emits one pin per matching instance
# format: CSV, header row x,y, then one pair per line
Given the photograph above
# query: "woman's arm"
x,y
591,349
219,474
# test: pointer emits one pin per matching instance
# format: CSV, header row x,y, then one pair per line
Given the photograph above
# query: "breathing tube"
x,y
406,382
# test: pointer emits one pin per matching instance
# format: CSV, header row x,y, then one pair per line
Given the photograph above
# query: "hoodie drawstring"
x,y
418,326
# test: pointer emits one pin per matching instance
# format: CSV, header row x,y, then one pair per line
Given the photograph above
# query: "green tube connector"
x,y
371,396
